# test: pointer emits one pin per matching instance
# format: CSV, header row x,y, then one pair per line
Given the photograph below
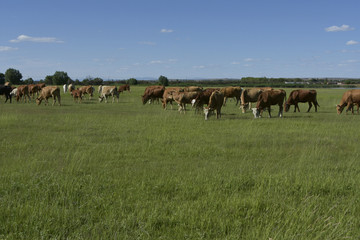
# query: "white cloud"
x,y
352,42
352,61
235,63
156,62
248,59
341,28
24,38
199,67
5,48
147,43
166,30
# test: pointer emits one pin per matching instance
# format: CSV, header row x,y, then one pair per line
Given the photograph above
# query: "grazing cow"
x,y
6,90
33,89
183,98
192,89
65,87
123,88
215,103
87,90
23,92
106,91
168,96
231,92
152,93
203,98
47,92
248,96
348,99
77,95
268,98
71,87
303,96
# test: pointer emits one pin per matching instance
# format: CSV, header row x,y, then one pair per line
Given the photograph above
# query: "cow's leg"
x,y
315,105
225,99
269,110
310,105
281,110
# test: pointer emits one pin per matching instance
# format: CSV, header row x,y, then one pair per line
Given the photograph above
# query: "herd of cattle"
x,y
214,98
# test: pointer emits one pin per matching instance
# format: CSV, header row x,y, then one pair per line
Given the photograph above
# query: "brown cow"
x,y
348,99
268,98
168,96
248,96
40,86
23,92
106,91
87,90
33,89
183,98
77,94
231,92
152,93
47,92
192,89
215,103
303,96
203,98
123,88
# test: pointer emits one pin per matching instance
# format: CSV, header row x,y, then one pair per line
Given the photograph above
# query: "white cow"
x,y
106,91
13,92
65,87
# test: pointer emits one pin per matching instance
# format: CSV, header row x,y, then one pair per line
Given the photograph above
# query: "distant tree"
x,y
13,76
48,80
97,81
28,81
2,78
132,81
60,78
163,81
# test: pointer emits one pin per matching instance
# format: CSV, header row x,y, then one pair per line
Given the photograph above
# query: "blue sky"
x,y
181,39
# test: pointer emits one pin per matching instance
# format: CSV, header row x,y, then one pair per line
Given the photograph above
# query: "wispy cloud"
x,y
156,62
199,67
248,59
341,28
235,63
352,42
147,43
24,38
164,30
5,49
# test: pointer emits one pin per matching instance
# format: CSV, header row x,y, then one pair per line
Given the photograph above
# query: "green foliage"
x,y
48,80
2,78
28,81
139,172
13,76
92,81
60,78
163,81
132,81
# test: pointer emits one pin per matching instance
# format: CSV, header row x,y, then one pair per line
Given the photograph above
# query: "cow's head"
x,y
38,100
144,99
207,112
287,107
340,108
256,112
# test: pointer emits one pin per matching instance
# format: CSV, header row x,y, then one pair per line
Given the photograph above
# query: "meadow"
x,y
133,171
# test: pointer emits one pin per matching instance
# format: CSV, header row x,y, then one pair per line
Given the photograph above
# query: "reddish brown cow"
x,y
87,90
203,98
77,95
33,89
192,89
152,93
348,99
215,103
248,96
123,88
183,98
23,92
302,96
268,98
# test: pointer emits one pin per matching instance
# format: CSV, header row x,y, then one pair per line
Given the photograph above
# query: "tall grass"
x,y
128,171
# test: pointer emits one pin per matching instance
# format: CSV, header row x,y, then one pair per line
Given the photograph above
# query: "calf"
x,y
77,95
215,103
47,92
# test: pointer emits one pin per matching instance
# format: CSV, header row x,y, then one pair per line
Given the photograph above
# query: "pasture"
x,y
132,171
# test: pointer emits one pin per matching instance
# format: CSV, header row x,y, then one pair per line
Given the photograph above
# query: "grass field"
x,y
129,171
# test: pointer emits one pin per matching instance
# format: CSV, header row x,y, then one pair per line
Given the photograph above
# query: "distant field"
x,y
133,171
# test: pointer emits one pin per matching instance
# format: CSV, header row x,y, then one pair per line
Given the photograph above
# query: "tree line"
x,y
60,78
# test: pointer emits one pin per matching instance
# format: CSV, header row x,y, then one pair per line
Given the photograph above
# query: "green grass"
x,y
128,171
